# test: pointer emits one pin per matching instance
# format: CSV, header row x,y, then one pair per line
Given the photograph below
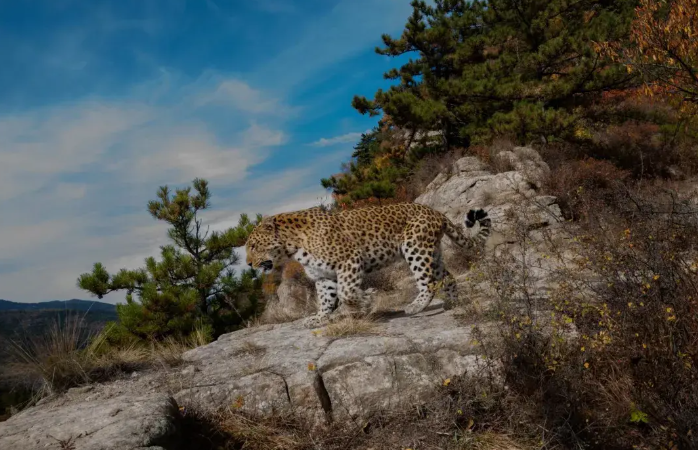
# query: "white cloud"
x,y
166,155
239,95
36,148
343,139
76,180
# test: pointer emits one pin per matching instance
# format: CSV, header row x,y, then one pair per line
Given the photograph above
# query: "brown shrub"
x,y
644,150
428,168
465,413
572,181
611,355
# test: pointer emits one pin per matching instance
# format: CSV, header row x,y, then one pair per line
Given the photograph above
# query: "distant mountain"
x,y
73,305
20,322
35,319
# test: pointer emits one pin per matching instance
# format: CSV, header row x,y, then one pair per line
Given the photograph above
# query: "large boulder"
x,y
286,367
511,197
120,423
520,212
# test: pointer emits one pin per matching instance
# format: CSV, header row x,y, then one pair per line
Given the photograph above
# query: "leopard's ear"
x,y
267,224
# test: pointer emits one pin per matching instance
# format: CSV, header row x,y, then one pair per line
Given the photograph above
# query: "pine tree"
x,y
525,68
367,147
194,280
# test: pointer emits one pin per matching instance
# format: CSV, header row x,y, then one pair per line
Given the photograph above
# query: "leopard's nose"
x,y
249,264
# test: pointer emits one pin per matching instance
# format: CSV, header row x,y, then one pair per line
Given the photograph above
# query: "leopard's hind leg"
x,y
421,254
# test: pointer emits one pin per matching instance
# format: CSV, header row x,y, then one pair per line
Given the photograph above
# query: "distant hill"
x,y
20,321
73,305
34,319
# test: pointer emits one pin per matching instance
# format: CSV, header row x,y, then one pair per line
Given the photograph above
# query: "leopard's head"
x,y
264,248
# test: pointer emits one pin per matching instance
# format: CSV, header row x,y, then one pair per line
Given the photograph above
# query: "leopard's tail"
x,y
474,216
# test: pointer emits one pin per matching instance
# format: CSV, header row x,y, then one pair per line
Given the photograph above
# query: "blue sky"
x,y
101,102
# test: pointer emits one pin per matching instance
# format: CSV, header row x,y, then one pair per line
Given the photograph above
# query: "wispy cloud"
x,y
240,95
342,139
76,179
103,104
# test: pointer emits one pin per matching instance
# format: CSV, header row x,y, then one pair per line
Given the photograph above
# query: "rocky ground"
x,y
337,376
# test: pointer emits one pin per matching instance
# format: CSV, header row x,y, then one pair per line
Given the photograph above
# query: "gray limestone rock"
x,y
121,423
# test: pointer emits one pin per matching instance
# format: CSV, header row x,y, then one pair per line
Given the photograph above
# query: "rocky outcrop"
x,y
336,376
295,298
502,194
268,369
124,422
519,212
287,367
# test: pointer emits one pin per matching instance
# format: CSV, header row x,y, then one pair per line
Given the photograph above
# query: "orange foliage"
x,y
664,35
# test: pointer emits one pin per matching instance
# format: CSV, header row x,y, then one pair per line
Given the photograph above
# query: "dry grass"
x,y
428,169
69,355
250,348
276,434
350,326
491,441
470,413
610,352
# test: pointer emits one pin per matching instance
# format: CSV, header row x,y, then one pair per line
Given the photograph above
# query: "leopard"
x,y
338,249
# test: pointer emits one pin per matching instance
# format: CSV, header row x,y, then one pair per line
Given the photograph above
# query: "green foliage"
x,y
529,70
361,178
378,189
525,68
367,148
637,416
192,281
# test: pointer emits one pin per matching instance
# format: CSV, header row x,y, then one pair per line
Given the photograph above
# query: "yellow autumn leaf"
x,y
447,381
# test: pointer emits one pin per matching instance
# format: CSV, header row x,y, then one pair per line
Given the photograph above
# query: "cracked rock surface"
x,y
267,369
283,367
121,423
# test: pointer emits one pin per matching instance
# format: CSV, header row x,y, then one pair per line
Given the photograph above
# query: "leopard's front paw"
x,y
414,308
315,321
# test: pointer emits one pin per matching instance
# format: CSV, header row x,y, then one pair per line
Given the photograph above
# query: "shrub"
x,y
575,180
611,354
193,282
635,146
70,354
428,168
